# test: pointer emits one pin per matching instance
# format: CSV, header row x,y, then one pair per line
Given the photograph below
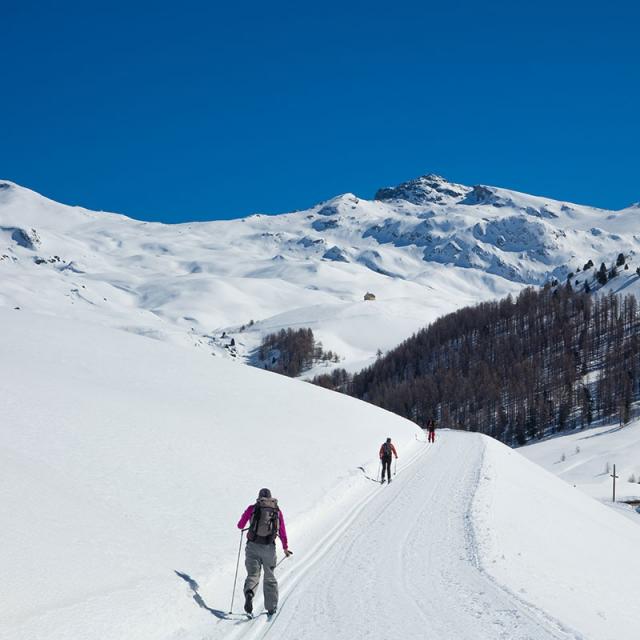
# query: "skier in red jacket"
x,y
431,428
386,451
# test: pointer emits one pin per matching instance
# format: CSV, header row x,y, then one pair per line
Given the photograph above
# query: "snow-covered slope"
x,y
585,460
423,248
556,549
123,460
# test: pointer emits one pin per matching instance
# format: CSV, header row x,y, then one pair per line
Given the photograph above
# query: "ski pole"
x,y
283,559
379,470
233,593
395,466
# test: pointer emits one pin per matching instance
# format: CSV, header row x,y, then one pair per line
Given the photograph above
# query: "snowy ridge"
x,y
424,248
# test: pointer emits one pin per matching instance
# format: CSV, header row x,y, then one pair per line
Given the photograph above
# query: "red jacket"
x,y
393,450
246,516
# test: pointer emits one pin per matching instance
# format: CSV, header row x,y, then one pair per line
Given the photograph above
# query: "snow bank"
x,y
556,549
585,459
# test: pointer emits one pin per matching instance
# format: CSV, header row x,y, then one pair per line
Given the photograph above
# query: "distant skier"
x,y
386,451
431,428
266,524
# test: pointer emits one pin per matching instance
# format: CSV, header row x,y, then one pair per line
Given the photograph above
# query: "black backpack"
x,y
386,450
265,521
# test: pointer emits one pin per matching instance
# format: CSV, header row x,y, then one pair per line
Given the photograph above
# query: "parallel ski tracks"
x,y
293,576
412,555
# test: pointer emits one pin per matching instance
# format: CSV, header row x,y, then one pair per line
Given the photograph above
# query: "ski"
x,y
238,616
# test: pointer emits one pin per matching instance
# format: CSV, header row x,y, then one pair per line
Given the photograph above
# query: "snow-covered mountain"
x,y
423,248
124,459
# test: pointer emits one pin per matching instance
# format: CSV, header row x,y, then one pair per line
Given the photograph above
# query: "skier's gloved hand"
x,y
288,552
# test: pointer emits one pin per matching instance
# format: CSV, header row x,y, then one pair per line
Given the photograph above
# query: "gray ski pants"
x,y
256,557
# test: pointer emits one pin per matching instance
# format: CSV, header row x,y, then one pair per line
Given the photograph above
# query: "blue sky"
x,y
202,110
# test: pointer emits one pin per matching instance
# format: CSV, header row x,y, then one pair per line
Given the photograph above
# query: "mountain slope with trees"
x,y
516,369
292,352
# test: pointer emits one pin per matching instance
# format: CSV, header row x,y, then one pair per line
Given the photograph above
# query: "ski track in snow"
x,y
431,583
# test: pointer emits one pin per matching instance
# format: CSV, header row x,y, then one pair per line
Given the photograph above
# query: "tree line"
x,y
516,369
291,352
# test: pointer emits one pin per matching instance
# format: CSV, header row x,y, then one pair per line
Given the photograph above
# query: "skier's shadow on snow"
x,y
193,585
368,477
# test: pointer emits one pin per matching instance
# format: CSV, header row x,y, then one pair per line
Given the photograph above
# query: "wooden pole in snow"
x,y
614,476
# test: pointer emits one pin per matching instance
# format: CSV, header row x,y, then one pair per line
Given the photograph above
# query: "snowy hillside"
x,y
123,460
585,460
423,249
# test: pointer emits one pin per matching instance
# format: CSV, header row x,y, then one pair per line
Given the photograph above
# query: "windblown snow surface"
x,y
124,460
423,248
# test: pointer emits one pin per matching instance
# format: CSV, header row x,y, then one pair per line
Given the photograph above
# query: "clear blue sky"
x,y
200,110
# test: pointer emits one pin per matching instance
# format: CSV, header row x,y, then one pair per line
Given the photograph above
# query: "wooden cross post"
x,y
614,476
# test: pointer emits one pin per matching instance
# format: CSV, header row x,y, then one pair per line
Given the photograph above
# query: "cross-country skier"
x,y
431,428
386,451
266,524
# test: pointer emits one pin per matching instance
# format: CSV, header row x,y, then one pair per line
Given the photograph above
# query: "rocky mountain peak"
x,y
430,188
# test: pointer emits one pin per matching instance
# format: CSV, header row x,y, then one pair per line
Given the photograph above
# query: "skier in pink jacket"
x,y
266,523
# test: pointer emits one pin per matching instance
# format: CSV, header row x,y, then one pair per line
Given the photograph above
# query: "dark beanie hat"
x,y
264,493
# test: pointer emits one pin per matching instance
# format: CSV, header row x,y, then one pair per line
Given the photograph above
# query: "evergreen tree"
x,y
292,352
602,274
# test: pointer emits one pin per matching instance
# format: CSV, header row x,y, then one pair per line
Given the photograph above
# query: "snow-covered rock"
x,y
27,238
424,190
336,254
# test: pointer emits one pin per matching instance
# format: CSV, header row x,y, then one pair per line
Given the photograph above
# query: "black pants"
x,y
386,466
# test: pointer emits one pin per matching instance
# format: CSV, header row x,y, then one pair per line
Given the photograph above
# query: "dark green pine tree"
x,y
602,274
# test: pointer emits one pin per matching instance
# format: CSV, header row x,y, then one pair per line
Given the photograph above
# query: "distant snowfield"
x,y
424,248
123,460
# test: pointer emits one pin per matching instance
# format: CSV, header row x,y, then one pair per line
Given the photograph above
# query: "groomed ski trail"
x,y
404,565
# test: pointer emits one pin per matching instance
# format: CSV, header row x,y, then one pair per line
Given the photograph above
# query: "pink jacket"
x,y
246,516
